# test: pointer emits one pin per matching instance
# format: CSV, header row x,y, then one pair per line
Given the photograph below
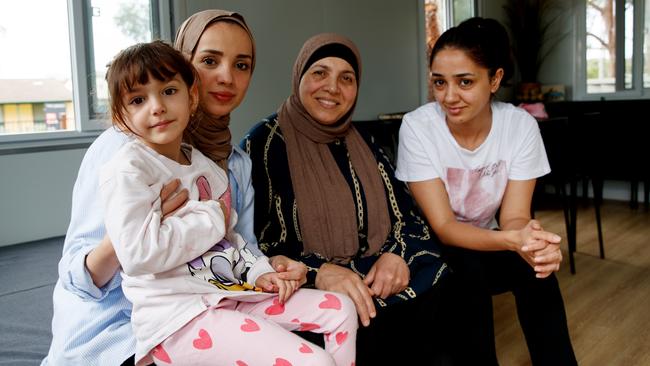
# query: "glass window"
x,y
462,10
37,70
115,26
646,46
616,48
48,85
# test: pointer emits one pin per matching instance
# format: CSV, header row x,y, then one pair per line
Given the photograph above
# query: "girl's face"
x,y
462,87
223,59
158,112
328,89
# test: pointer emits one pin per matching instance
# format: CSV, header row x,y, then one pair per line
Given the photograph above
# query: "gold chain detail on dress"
x,y
267,146
357,193
296,227
442,269
397,226
278,209
409,291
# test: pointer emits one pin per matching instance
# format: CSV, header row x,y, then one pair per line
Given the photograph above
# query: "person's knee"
x,y
349,309
346,315
320,357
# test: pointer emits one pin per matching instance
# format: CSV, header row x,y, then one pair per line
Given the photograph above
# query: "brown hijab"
x,y
326,205
210,134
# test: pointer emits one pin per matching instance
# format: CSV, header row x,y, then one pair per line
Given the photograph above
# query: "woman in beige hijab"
x,y
326,195
91,323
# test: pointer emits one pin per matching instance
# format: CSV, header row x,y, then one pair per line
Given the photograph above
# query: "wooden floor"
x,y
607,301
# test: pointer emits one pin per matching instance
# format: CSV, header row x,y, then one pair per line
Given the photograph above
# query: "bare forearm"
x,y
102,263
467,236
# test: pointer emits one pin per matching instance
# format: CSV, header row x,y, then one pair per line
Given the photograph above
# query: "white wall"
x,y
35,194
386,32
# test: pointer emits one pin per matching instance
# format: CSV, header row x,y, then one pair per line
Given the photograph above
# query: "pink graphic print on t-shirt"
x,y
475,195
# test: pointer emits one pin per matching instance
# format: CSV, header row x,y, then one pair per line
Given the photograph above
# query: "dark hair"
x,y
484,40
135,64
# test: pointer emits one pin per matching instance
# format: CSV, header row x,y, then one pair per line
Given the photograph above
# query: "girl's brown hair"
x,y
134,65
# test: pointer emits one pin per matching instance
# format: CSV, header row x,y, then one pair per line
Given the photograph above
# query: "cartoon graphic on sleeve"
x,y
224,265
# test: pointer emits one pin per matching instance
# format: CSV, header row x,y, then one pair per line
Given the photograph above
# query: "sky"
x,y
34,38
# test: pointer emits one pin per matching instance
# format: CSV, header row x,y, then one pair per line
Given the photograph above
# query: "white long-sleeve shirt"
x,y
173,268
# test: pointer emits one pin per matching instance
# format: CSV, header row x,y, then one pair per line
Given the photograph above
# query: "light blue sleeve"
x,y
239,165
86,227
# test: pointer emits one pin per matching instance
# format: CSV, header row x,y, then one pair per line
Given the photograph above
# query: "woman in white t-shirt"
x,y
465,158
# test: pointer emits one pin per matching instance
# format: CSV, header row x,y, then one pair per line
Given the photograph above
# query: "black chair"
x,y
566,170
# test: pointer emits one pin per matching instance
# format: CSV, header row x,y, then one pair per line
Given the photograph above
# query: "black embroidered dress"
x,y
276,213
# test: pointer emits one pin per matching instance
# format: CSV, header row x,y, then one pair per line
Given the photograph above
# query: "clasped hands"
x,y
541,249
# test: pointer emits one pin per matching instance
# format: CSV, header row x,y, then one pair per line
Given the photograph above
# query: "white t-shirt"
x,y
475,180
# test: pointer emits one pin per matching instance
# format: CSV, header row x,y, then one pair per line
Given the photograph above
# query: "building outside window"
x,y
38,82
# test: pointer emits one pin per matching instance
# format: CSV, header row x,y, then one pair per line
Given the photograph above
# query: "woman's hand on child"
x,y
271,282
225,201
226,212
171,200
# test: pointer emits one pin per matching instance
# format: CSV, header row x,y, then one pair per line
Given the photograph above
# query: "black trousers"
x,y
476,276
406,333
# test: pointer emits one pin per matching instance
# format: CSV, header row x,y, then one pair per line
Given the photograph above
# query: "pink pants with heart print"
x,y
245,333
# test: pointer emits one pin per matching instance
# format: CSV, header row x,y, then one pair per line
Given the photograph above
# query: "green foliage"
x,y
133,20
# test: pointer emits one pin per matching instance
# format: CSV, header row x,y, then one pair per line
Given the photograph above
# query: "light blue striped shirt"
x,y
91,326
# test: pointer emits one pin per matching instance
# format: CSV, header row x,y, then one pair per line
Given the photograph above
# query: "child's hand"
x,y
271,282
171,200
289,269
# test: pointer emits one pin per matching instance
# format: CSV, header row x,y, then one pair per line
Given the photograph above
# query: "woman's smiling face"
x,y
328,89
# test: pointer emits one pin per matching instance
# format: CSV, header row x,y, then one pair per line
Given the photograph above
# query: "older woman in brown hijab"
x,y
221,47
326,195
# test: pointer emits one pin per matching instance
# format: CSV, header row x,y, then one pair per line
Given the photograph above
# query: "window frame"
x,y
477,6
580,72
88,125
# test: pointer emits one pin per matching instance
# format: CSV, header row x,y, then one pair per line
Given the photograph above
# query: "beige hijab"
x,y
326,206
210,134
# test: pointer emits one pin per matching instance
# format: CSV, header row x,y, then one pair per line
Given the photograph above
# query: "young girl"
x,y
196,288
466,156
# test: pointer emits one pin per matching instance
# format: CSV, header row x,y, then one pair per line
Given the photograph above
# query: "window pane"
x,y
629,42
463,9
646,47
601,46
115,26
434,13
35,70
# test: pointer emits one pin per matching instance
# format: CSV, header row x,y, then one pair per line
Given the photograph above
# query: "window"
x,y
615,60
52,81
115,25
37,70
440,15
